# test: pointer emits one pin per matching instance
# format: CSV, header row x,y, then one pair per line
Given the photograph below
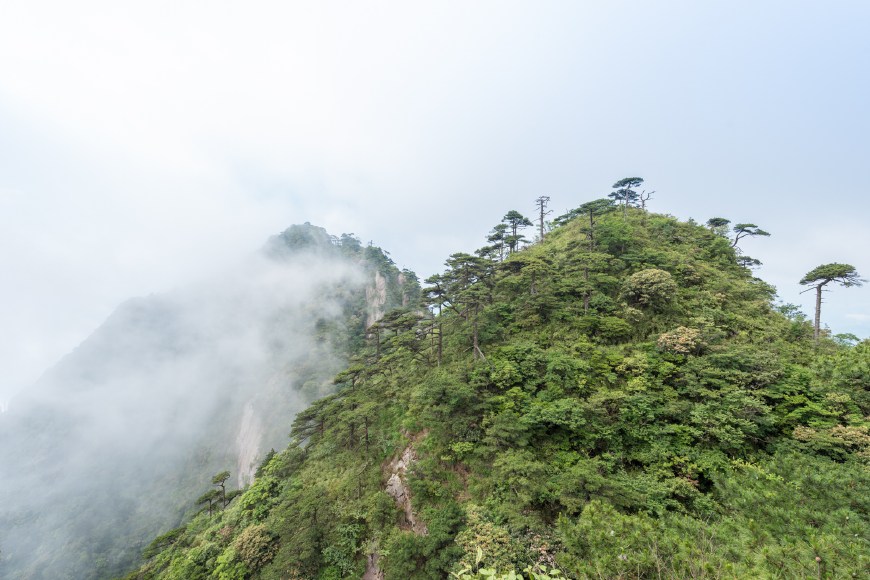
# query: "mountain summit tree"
x,y
718,225
542,203
515,221
625,192
818,277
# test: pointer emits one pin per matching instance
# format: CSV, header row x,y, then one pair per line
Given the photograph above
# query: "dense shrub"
x,y
652,288
681,340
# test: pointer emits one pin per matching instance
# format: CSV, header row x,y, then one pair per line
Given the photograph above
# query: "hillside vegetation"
x,y
619,400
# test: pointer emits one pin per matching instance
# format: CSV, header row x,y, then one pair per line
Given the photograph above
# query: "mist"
x,y
139,142
113,444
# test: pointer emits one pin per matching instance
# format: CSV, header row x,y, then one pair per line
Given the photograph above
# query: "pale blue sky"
x,y
142,146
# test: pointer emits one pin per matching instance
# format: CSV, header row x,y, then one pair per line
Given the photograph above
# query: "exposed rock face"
x,y
405,298
376,298
248,442
373,572
397,488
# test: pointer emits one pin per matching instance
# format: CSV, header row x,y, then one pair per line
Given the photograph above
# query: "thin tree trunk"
x,y
542,205
432,339
440,342
586,294
367,434
591,227
818,312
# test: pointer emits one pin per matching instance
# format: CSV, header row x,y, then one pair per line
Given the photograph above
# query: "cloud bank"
x,y
142,144
115,443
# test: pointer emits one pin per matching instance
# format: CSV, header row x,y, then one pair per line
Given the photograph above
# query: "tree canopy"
x,y
820,276
843,274
625,191
746,230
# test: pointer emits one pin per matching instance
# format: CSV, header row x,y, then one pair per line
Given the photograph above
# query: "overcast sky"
x,y
144,145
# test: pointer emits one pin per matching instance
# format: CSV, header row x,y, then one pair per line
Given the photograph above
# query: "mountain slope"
x,y
618,400
107,449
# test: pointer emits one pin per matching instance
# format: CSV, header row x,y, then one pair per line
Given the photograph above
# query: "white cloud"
x,y
147,142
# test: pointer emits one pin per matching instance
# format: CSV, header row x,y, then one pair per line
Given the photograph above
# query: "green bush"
x,y
255,546
652,288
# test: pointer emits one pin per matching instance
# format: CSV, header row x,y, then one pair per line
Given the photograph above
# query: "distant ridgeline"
x,y
114,444
619,399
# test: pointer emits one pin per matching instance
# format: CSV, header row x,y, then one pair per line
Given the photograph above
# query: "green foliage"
x,y
342,552
624,191
486,544
844,274
620,400
530,573
746,230
255,546
651,288
162,542
220,478
259,499
681,340
718,225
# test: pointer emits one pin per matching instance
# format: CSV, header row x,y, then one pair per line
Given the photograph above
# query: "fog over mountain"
x,y
119,438
142,142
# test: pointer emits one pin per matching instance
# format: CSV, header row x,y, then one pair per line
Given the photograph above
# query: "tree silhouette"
x,y
718,225
220,479
497,237
625,192
542,202
210,497
744,230
515,221
820,276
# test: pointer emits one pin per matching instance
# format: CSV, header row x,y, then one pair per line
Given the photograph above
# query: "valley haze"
x,y
115,442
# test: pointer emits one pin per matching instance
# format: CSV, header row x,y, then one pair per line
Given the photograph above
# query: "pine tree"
x,y
819,277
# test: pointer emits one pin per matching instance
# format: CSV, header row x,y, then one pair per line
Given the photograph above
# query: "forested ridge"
x,y
620,399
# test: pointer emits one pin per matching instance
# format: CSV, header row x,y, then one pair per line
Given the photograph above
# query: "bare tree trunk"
x,y
542,206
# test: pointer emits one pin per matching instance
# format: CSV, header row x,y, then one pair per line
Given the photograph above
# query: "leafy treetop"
x,y
743,230
844,274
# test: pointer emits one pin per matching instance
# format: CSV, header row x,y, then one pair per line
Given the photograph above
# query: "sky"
x,y
145,146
